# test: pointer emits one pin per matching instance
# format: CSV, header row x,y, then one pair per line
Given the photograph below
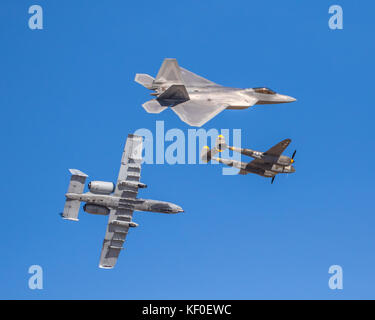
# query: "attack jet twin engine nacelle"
x,y
95,209
101,187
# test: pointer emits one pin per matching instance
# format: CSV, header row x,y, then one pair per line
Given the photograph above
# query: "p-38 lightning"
x,y
119,200
266,164
195,99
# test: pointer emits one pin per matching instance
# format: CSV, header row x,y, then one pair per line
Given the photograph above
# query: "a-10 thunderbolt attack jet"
x,y
116,200
195,99
266,164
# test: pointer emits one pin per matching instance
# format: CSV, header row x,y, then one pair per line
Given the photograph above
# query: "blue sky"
x,y
69,100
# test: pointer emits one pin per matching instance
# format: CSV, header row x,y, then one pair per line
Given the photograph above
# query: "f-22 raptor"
x,y
195,99
119,200
266,164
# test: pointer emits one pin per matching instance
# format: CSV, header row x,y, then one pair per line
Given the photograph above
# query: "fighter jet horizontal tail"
x,y
153,106
145,80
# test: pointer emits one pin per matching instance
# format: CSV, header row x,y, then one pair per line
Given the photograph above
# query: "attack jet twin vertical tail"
x,y
195,99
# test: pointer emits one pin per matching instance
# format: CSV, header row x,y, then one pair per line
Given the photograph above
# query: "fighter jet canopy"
x,y
264,90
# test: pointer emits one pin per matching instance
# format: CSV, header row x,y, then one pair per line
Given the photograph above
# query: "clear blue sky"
x,y
68,100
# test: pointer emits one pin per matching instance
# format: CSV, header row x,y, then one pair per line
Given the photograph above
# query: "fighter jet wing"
x,y
130,170
191,79
119,222
279,148
120,219
197,112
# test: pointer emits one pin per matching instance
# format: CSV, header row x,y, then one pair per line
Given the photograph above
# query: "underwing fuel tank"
x,y
130,224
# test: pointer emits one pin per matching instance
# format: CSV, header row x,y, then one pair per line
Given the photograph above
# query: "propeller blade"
x,y
273,178
294,153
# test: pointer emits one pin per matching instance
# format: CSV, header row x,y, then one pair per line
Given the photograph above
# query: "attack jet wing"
x,y
120,219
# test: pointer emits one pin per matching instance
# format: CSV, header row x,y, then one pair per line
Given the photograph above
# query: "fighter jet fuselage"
x,y
237,98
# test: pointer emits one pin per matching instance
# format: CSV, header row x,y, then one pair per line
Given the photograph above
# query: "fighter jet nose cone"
x,y
178,209
290,99
281,98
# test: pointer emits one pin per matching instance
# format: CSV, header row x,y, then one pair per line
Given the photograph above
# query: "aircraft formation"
x,y
195,100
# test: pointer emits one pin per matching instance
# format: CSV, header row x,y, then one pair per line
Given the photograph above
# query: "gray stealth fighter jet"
x,y
266,164
196,100
116,200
